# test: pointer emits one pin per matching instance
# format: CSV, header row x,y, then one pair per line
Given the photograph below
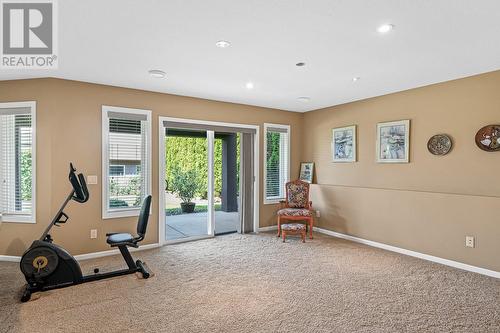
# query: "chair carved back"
x,y
297,194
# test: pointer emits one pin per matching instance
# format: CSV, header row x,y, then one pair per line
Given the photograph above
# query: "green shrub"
x,y
191,153
133,187
26,176
184,183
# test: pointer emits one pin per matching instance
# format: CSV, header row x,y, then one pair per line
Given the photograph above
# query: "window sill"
x,y
17,219
273,201
115,214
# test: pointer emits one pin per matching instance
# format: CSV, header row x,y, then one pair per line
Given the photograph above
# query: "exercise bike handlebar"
x,y
79,193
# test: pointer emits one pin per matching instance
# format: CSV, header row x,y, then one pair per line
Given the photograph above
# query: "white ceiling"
x,y
116,42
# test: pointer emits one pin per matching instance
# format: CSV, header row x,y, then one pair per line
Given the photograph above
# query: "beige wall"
x,y
430,204
69,129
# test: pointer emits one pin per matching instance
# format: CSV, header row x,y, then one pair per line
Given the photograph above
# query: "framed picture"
x,y
344,144
393,142
306,171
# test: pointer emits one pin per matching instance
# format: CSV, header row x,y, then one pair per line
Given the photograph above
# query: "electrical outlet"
x,y
469,241
92,180
318,213
93,233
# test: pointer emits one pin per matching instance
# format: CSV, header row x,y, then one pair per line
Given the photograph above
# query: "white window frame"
x,y
32,217
125,212
288,129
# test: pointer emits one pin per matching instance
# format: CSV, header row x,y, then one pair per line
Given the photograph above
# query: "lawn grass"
x,y
197,209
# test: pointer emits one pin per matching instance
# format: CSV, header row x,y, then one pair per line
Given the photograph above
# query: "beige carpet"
x,y
255,283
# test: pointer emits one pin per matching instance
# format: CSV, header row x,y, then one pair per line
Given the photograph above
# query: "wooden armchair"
x,y
297,206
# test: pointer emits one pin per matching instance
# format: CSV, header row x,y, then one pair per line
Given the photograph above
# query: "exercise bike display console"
x,y
47,266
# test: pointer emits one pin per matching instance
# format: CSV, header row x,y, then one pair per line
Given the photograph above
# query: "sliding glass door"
x,y
207,176
189,203
227,182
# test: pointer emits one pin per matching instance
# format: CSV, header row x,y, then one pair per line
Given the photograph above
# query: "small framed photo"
x,y
344,144
306,171
393,142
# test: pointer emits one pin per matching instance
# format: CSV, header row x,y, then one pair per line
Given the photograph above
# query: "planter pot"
x,y
187,207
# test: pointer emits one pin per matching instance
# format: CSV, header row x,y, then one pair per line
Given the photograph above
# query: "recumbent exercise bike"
x,y
48,266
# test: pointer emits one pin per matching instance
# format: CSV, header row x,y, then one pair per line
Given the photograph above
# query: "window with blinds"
x,y
17,187
127,160
276,162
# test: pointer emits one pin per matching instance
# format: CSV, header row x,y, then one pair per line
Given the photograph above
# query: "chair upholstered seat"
x,y
293,226
294,212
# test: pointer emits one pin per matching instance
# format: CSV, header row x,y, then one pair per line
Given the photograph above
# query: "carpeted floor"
x,y
255,283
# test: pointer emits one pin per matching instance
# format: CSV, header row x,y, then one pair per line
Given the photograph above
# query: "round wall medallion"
x,y
439,144
488,138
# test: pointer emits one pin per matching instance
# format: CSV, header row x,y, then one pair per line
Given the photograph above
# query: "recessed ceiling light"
x,y
355,79
157,74
223,44
300,64
304,99
385,28
249,85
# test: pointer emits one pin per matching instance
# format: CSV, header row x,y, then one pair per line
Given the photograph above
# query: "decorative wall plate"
x,y
488,138
439,144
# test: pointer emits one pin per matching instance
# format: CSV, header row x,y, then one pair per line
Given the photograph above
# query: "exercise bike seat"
x,y
121,238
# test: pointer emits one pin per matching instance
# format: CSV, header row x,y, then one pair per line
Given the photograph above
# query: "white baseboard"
x,y
10,258
415,254
439,260
90,255
271,228
113,252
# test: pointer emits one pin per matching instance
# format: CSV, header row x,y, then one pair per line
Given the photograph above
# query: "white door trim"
x,y
161,182
162,166
210,174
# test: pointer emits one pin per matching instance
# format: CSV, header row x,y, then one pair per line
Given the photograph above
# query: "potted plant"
x,y
185,185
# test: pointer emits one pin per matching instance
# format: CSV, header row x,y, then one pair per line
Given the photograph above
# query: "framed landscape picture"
x,y
393,142
344,144
306,172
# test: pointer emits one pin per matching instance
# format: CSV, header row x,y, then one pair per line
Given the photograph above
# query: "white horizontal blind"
x,y
277,160
16,164
127,161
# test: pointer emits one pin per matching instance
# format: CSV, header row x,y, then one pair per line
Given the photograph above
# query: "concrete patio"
x,y
195,224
